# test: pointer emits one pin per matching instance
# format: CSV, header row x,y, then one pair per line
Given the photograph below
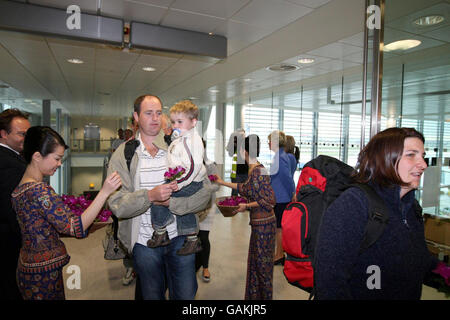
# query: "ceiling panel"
x,y
240,35
442,34
356,40
217,8
191,21
140,11
336,50
160,3
310,3
270,14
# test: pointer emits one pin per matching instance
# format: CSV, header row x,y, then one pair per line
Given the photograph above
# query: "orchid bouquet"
x,y
442,283
174,173
79,204
212,177
232,201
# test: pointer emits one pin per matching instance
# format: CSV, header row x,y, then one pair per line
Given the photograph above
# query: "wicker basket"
x,y
227,211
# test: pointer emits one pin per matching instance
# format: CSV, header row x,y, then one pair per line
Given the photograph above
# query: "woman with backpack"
x,y
396,264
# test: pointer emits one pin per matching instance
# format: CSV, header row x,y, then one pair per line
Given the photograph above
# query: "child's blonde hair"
x,y
187,107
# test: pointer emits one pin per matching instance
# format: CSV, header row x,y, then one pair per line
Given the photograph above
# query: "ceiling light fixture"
x,y
213,90
283,67
75,61
429,20
305,60
402,45
148,69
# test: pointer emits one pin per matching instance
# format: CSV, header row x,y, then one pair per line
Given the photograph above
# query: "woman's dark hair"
x,y
43,140
252,145
297,153
378,161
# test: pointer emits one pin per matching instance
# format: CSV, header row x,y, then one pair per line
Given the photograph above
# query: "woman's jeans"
x,y
186,224
162,268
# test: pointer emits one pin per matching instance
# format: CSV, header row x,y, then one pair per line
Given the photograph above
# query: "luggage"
x,y
322,180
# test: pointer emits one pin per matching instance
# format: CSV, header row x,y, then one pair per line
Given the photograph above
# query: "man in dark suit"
x,y
13,127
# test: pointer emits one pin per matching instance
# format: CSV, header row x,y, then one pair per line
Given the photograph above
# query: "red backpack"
x,y
322,180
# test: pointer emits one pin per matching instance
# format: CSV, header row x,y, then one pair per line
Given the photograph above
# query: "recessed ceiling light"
x,y
75,61
148,69
213,90
247,79
429,20
27,100
210,33
193,98
305,60
283,67
402,45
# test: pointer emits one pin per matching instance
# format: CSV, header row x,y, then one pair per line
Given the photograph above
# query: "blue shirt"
x,y
282,177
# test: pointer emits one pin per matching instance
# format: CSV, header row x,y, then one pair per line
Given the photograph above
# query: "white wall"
x,y
108,127
82,177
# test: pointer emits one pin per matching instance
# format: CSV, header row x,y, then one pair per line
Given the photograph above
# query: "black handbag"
x,y
115,250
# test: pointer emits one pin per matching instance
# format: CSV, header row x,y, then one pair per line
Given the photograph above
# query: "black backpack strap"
x,y
115,226
130,148
418,209
378,217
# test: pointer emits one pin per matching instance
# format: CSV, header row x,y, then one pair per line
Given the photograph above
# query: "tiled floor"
x,y
229,237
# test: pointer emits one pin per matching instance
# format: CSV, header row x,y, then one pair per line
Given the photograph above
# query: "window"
x,y
354,137
229,129
211,136
261,121
299,124
329,140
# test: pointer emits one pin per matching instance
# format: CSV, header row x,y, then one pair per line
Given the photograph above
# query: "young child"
x,y
186,151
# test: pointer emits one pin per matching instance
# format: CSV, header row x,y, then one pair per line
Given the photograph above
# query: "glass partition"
x,y
416,78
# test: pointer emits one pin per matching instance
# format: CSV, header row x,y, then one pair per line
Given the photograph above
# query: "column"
x,y
377,74
67,185
46,113
221,110
315,139
238,116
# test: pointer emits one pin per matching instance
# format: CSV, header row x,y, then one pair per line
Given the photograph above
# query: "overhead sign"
x,y
70,23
